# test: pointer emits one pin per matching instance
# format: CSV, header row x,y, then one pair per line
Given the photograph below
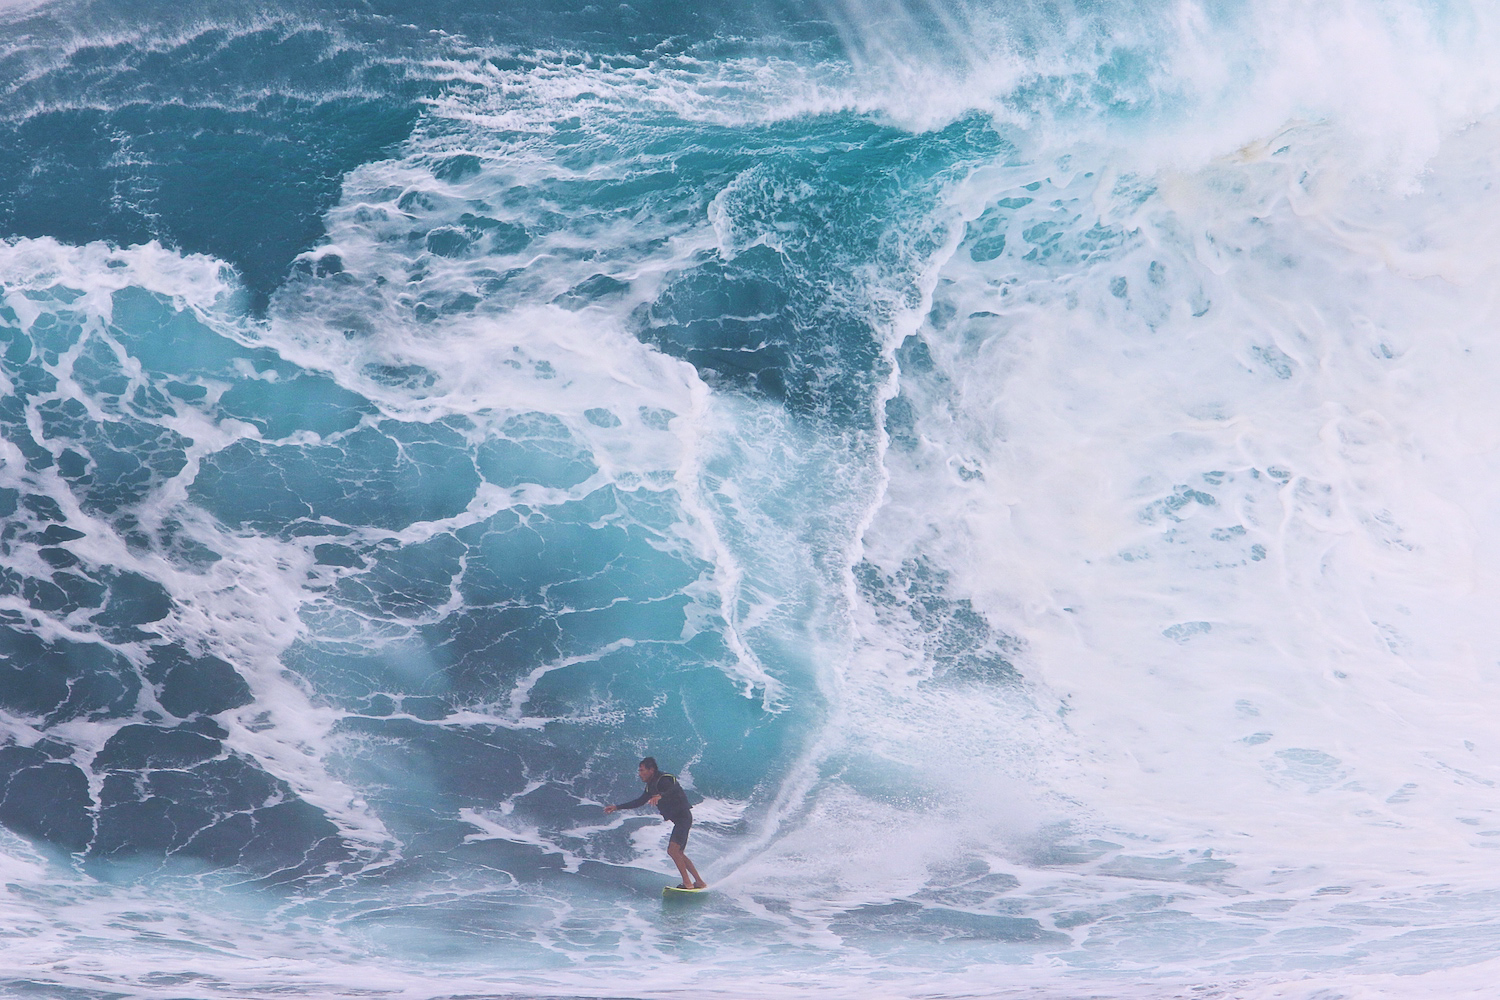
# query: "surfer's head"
x,y
647,770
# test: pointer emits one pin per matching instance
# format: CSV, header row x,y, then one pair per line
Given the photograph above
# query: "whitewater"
x,y
1031,469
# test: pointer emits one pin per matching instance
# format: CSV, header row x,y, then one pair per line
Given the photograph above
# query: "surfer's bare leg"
x,y
674,850
684,866
698,882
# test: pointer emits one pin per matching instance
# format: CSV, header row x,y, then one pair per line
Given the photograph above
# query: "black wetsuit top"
x,y
673,804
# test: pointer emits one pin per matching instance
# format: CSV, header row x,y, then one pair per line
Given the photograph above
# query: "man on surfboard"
x,y
663,791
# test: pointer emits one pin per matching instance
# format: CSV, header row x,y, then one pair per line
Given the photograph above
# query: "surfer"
x,y
663,791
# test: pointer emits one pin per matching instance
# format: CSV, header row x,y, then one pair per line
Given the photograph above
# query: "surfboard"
x,y
676,892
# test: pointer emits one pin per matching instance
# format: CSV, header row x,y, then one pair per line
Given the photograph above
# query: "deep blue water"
x,y
1026,467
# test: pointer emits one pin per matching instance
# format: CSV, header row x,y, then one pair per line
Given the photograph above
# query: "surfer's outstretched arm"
x,y
634,803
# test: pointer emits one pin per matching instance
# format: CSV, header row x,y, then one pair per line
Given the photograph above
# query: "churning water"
x,y
1032,468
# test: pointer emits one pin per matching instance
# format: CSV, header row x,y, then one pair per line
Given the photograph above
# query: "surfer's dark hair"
x,y
651,763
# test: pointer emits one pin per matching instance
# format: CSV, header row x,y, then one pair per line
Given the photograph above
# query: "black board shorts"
x,y
680,828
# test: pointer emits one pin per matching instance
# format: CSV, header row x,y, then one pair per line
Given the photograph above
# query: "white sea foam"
x,y
1231,487
244,606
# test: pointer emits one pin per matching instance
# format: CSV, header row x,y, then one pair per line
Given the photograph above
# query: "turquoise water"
x,y
1030,469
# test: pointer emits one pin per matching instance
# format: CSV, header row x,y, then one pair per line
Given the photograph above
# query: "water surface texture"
x,y
1031,468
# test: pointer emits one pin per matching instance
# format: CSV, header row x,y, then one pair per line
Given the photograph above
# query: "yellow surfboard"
x,y
677,892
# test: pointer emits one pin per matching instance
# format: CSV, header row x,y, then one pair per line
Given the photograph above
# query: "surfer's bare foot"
x,y
700,885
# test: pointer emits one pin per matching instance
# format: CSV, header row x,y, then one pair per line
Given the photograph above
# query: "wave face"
x,y
1033,471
